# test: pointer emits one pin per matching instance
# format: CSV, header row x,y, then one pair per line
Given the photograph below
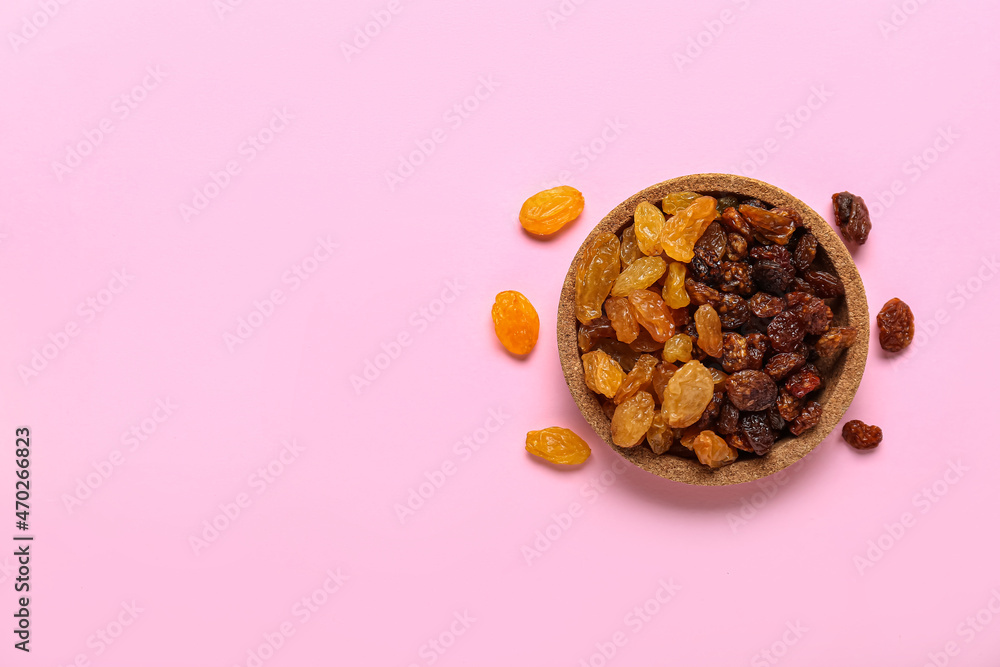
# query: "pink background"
x,y
418,260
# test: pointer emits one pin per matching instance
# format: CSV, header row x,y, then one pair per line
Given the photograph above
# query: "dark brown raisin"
x,y
736,247
785,332
704,271
737,277
589,334
645,342
812,311
775,420
757,349
712,245
755,428
771,277
711,413
788,406
766,305
700,294
619,351
726,201
803,382
734,352
805,252
807,419
751,390
734,222
862,436
834,340
729,419
852,217
780,365
756,203
734,311
826,284
895,326
608,407
800,285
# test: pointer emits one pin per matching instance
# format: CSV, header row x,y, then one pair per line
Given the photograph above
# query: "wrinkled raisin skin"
x,y
861,436
756,429
895,326
807,419
751,391
852,217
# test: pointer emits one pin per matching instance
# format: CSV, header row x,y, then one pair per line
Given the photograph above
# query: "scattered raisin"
x,y
736,247
788,406
895,326
621,318
729,419
558,445
548,211
734,311
812,311
734,352
632,419
852,217
862,436
515,322
701,293
737,277
757,349
709,326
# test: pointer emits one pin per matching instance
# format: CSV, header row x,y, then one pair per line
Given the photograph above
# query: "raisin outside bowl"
x,y
842,376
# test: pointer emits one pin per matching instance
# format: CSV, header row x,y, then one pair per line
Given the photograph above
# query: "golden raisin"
x,y
674,293
602,373
595,274
632,419
713,450
676,202
771,225
558,445
659,436
622,319
709,327
640,378
661,376
688,393
630,250
515,322
549,211
718,377
648,227
682,231
642,273
678,348
652,314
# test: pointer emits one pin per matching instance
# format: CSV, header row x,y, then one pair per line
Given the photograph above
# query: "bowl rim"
x,y
842,382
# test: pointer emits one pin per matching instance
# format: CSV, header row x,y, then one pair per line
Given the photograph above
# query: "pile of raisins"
x,y
703,323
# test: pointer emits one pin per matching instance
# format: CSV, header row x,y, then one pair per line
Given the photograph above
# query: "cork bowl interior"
x,y
842,374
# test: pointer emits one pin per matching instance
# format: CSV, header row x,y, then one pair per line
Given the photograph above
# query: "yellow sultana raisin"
x,y
622,319
713,450
550,210
640,378
683,230
652,314
648,228
688,393
676,202
642,273
630,250
595,274
709,326
602,373
771,225
659,436
678,348
632,419
661,376
558,445
674,292
515,322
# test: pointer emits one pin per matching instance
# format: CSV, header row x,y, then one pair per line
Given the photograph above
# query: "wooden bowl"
x,y
842,374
